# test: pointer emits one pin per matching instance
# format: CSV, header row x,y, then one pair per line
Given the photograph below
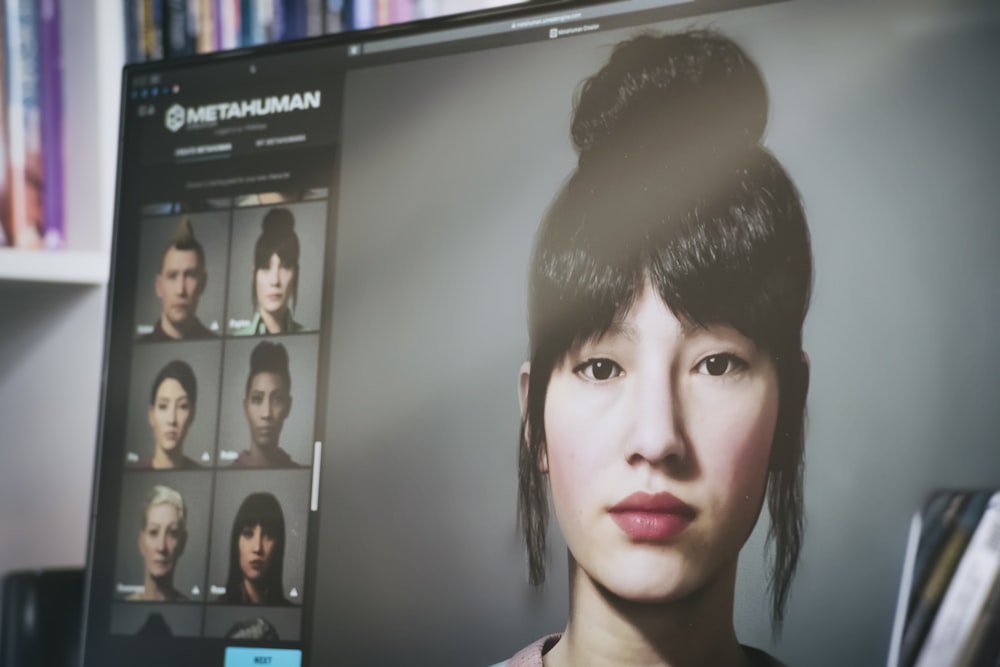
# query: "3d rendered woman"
x,y
275,276
665,394
256,553
172,402
266,405
161,542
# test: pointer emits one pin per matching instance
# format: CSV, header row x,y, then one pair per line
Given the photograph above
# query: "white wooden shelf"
x,y
54,266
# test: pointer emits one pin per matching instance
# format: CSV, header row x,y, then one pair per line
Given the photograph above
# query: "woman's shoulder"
x,y
531,655
250,329
759,658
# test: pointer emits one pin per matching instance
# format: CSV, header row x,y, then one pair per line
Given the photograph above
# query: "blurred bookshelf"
x,y
70,242
89,54
159,29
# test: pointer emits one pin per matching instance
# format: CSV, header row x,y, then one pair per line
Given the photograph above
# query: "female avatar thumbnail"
x,y
256,553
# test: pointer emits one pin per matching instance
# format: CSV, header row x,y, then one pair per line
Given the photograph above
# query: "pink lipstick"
x,y
657,517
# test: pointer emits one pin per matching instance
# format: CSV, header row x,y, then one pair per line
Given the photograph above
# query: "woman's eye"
x,y
598,369
720,364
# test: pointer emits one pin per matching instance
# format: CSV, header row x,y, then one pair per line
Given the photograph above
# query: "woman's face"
x,y
658,438
161,541
274,286
267,406
256,552
170,416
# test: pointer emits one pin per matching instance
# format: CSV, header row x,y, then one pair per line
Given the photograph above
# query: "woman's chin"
x,y
645,579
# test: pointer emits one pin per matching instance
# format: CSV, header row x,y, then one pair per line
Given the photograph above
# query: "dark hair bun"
x,y
683,94
278,222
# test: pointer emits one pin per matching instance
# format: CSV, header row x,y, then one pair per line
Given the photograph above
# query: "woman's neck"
x,y
255,593
274,323
165,459
158,589
604,629
262,455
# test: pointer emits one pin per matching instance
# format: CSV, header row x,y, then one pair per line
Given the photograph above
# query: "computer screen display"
x,y
333,259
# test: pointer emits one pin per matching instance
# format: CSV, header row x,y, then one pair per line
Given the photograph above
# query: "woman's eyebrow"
x,y
619,328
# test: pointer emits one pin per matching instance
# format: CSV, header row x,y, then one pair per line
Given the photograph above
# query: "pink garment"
x,y
531,655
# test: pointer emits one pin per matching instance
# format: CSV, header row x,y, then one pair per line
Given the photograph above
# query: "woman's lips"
x,y
656,517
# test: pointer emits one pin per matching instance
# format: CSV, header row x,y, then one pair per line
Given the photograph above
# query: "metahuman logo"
x,y
174,119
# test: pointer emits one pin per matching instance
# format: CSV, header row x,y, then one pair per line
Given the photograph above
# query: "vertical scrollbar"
x,y
314,497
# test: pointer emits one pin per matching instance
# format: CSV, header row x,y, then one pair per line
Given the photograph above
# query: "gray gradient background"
x,y
204,357
310,225
287,621
291,488
884,117
212,231
196,488
297,432
184,620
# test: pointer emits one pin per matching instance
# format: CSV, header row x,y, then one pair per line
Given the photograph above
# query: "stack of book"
x,y
158,29
31,125
953,606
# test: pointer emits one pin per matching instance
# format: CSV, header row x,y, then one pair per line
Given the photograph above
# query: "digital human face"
x,y
179,285
274,286
161,541
658,436
256,552
170,416
267,406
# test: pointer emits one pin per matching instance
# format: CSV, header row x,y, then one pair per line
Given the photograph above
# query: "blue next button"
x,y
255,657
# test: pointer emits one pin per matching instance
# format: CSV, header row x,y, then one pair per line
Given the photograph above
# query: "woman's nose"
x,y
657,434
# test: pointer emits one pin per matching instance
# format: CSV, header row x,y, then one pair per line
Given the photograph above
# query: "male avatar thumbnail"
x,y
179,286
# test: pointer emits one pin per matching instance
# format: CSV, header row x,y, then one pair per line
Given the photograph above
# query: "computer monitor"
x,y
333,258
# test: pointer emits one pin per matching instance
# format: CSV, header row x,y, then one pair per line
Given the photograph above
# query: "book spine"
x,y
937,583
133,31
248,19
983,646
206,26
364,13
334,16
153,29
277,28
296,19
967,593
50,65
23,124
176,37
314,20
228,27
938,526
217,24
6,230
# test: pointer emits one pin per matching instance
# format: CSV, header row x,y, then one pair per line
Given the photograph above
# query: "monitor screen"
x,y
348,271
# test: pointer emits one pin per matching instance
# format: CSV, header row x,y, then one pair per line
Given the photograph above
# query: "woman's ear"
x,y
805,372
523,384
522,389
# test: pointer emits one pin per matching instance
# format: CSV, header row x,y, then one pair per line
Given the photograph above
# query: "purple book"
x,y
50,70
